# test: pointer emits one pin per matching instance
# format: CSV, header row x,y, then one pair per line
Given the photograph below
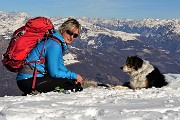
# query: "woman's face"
x,y
70,35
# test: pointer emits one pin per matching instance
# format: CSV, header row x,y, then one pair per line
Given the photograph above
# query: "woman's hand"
x,y
79,79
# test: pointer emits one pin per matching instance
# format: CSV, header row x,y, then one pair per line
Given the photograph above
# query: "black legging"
x,y
45,84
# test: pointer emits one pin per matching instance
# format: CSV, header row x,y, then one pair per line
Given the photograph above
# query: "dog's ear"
x,y
128,58
138,63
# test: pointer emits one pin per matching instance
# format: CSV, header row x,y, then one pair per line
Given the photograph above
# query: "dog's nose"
x,y
121,67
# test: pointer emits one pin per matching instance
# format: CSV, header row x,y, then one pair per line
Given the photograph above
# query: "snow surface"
x,y
70,59
97,104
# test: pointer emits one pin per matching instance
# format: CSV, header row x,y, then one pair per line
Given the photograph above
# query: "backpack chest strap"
x,y
40,61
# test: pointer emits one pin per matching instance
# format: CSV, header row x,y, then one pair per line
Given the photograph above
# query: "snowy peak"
x,y
11,21
93,30
126,29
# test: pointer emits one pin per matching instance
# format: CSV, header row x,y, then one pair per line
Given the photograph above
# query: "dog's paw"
x,y
89,83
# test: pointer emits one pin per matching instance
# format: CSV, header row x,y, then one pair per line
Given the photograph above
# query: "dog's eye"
x,y
128,65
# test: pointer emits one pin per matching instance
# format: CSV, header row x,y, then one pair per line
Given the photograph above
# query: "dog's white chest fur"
x,y
138,78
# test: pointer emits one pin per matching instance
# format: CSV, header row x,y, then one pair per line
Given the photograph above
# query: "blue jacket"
x,y
53,54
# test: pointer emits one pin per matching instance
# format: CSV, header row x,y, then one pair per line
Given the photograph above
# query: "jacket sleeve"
x,y
55,63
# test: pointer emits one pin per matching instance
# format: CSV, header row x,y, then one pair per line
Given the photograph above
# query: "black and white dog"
x,y
143,74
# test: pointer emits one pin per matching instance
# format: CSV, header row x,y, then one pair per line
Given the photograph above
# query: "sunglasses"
x,y
71,33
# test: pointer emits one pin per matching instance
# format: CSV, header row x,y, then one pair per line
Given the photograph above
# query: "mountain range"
x,y
104,46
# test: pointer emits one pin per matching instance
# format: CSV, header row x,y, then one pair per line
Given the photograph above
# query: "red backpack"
x,y
24,40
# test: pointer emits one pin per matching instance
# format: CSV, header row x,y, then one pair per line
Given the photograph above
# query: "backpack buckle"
x,y
38,61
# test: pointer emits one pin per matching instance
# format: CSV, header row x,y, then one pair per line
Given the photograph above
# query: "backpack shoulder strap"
x,y
58,41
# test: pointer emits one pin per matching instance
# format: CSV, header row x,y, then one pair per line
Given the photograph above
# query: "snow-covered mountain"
x,y
105,44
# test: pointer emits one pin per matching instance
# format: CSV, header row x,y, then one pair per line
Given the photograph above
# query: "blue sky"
x,y
107,9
